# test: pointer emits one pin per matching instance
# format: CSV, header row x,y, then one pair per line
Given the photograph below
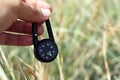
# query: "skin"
x,y
16,16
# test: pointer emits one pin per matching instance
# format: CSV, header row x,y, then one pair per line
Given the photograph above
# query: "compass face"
x,y
47,50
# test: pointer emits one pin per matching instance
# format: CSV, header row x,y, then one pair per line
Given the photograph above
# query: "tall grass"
x,y
87,33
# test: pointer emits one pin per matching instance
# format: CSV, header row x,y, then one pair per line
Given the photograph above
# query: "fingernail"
x,y
46,12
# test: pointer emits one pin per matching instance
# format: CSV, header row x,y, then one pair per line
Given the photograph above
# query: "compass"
x,y
45,50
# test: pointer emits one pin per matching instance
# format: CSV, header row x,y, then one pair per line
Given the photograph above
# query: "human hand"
x,y
27,11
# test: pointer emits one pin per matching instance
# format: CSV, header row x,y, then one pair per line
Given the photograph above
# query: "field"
x,y
87,33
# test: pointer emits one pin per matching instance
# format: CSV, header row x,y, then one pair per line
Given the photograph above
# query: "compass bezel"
x,y
39,55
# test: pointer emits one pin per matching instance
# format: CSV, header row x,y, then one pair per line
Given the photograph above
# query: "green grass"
x,y
87,33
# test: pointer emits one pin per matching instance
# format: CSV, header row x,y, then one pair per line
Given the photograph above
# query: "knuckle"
x,y
35,14
35,11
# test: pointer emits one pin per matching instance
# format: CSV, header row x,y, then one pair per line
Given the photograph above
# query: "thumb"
x,y
32,14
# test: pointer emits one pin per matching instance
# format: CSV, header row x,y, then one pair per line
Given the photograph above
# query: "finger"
x,y
32,14
39,4
25,27
43,4
15,40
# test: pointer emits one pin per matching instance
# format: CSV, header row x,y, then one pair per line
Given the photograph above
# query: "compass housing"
x,y
46,50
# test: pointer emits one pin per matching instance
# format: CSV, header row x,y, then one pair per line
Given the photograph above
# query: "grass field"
x,y
88,36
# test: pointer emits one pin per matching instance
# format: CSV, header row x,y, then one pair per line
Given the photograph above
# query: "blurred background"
x,y
87,33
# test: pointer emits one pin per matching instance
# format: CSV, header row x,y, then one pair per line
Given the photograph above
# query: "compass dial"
x,y
46,50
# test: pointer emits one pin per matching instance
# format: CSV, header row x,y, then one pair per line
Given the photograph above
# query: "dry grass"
x,y
87,33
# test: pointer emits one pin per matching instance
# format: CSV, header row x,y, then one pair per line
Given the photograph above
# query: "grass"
x,y
87,33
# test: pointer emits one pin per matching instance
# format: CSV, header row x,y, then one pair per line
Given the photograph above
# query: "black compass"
x,y
45,50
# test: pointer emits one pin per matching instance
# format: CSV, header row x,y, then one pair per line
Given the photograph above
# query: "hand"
x,y
17,16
